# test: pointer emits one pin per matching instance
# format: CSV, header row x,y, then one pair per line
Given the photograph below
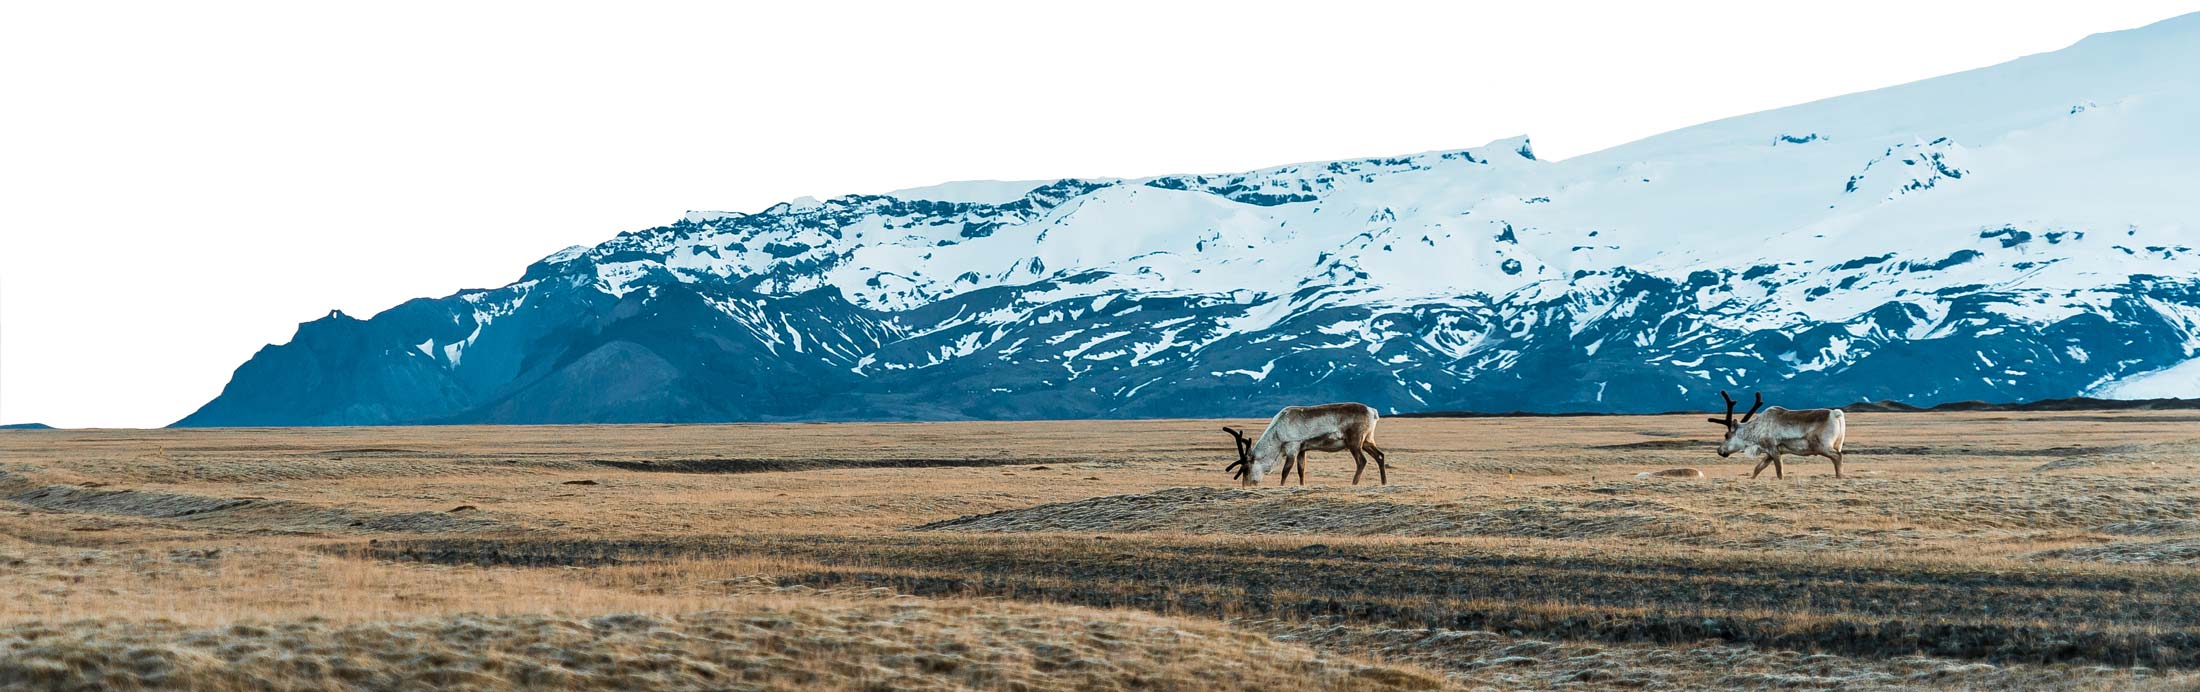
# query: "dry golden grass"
x,y
760,642
206,529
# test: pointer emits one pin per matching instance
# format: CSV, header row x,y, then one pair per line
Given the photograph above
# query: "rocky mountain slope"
x,y
2012,233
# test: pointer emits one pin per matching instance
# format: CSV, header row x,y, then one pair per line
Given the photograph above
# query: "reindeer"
x,y
1297,430
1817,431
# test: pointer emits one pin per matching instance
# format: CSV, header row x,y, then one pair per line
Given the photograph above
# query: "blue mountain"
x,y
2017,232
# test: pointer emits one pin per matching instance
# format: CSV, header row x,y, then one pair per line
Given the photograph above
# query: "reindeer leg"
x,y
1381,468
1286,477
1836,457
1360,463
1761,464
1777,472
1302,467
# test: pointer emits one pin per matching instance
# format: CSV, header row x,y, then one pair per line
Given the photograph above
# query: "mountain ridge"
x,y
2007,233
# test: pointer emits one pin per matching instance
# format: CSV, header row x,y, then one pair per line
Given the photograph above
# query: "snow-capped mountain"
x,y
2011,233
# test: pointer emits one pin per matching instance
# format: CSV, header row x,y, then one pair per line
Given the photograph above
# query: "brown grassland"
x,y
1966,551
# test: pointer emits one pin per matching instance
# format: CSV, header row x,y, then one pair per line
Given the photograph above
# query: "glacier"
x,y
2016,232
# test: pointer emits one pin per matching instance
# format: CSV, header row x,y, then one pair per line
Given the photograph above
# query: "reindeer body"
x,y
1297,430
1779,431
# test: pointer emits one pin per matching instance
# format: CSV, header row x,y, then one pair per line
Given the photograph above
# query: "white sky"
x,y
182,183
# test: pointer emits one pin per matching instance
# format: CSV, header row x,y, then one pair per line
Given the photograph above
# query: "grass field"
x,y
1966,551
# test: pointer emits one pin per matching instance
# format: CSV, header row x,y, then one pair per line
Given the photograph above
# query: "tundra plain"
x,y
1967,551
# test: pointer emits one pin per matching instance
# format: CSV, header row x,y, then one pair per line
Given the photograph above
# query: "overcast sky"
x,y
183,183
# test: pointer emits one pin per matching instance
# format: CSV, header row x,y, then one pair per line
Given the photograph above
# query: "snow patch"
x,y
972,191
2180,381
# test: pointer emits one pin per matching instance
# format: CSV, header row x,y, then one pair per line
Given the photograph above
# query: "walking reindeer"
x,y
1817,431
1297,430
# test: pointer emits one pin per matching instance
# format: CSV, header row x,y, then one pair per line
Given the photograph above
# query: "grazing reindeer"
x,y
1297,430
1817,431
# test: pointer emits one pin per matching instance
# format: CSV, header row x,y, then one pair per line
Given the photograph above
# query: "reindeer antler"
x,y
1239,466
1728,421
1752,408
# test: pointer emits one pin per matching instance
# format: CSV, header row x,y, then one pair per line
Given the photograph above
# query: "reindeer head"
x,y
1244,465
1727,446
